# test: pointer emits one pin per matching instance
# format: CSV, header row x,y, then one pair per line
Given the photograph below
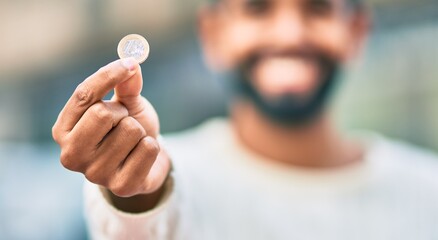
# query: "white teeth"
x,y
279,74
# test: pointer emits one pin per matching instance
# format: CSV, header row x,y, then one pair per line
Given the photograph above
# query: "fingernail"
x,y
129,63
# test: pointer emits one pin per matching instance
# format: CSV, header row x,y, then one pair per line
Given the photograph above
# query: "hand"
x,y
113,143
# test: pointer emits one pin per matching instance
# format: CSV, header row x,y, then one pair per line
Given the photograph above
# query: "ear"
x,y
361,26
209,28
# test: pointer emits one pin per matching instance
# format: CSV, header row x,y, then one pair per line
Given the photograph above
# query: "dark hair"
x,y
351,3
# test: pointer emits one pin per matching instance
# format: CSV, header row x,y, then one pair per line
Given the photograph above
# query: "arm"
x,y
105,221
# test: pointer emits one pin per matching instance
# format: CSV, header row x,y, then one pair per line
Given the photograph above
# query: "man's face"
x,y
286,50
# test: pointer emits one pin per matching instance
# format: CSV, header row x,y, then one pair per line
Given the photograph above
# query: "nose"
x,y
286,29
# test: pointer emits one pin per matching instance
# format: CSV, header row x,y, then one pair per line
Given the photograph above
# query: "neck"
x,y
316,145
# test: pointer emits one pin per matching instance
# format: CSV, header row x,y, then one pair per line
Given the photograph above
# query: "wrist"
x,y
140,203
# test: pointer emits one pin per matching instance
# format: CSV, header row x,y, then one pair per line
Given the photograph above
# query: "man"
x,y
276,169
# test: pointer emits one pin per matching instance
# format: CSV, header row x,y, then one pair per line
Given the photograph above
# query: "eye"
x,y
256,7
319,7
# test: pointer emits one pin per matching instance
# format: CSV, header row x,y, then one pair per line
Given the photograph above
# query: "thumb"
x,y
130,88
129,94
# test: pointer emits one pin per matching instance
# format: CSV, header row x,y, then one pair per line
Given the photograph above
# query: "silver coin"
x,y
134,45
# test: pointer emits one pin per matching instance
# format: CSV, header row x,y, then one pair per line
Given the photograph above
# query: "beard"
x,y
288,108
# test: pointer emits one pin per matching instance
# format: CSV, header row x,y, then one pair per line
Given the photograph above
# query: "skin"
x,y
234,29
114,144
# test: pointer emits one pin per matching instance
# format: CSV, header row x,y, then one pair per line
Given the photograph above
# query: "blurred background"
x,y
49,46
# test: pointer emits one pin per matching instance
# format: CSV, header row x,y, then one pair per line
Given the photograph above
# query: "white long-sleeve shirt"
x,y
220,190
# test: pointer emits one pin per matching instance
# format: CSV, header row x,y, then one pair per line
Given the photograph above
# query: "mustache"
x,y
288,109
323,59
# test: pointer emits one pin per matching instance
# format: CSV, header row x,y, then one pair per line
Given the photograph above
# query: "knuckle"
x,y
151,185
68,160
95,175
151,146
132,128
121,189
83,95
102,112
55,134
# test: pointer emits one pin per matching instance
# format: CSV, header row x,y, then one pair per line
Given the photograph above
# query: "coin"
x,y
134,45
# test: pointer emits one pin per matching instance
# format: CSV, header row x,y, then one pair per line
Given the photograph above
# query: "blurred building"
x,y
48,47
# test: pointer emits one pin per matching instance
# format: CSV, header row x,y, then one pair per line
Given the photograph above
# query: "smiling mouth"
x,y
290,86
277,75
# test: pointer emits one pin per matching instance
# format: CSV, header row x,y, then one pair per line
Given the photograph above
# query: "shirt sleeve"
x,y
106,222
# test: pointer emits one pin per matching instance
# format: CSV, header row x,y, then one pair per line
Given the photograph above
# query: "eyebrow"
x,y
255,1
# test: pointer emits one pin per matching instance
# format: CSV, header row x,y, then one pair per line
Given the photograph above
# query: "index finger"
x,y
93,89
